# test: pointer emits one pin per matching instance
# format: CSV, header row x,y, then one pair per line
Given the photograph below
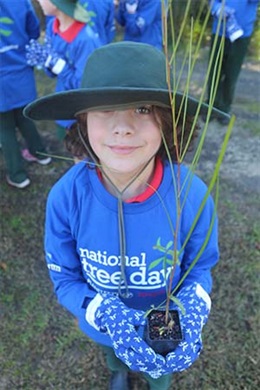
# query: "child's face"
x,y
48,7
124,140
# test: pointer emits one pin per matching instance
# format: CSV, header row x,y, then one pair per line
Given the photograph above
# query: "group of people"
x,y
110,217
74,29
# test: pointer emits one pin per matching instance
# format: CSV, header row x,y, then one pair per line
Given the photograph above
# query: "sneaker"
x,y
21,185
30,158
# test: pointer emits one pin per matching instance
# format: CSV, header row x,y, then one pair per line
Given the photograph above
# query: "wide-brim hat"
x,y
73,9
118,75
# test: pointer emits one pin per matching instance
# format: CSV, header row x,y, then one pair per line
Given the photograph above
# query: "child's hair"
x,y
163,116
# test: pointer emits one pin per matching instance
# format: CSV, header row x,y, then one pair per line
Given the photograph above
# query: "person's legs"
x,y
162,383
60,132
119,371
113,363
237,53
116,365
218,70
30,134
10,148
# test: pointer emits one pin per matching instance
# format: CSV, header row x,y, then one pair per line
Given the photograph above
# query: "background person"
x,y
19,24
141,20
103,20
70,40
238,18
115,201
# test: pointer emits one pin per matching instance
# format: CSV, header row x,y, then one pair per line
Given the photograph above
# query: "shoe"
x,y
119,381
21,185
30,158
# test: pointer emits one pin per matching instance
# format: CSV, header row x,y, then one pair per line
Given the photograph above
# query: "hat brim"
x,y
66,105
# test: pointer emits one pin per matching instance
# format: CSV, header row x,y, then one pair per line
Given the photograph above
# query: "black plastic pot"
x,y
161,338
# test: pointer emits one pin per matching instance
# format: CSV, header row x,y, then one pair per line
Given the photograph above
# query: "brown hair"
x,y
186,133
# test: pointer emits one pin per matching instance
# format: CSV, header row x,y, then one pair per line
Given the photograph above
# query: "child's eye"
x,y
144,110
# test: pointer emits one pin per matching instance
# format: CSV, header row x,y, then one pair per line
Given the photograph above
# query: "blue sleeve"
x,y
75,64
120,13
143,18
61,255
203,239
32,23
75,55
110,24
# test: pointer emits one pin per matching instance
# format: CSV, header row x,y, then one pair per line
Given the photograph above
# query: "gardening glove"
x,y
36,53
54,63
107,311
109,314
197,304
219,10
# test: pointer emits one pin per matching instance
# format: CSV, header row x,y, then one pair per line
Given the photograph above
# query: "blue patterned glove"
x,y
197,306
37,53
134,352
108,311
109,314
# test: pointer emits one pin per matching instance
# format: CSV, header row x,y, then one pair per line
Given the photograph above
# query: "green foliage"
x,y
168,257
190,27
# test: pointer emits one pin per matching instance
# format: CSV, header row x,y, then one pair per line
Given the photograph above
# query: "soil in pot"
x,y
163,338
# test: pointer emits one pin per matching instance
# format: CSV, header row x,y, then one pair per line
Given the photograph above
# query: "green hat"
x,y
116,75
73,9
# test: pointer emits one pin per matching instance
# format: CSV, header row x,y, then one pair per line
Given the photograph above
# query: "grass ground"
x,y
40,345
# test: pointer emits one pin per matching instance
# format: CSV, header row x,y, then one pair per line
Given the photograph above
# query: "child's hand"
x,y
135,353
54,63
36,53
197,305
219,10
108,311
109,314
131,6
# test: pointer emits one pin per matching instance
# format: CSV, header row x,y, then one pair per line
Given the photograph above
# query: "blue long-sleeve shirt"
x,y
103,20
18,24
74,46
82,241
143,25
245,14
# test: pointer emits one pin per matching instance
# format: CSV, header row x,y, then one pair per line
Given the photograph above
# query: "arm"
x,y
220,10
110,23
32,23
75,58
61,255
142,18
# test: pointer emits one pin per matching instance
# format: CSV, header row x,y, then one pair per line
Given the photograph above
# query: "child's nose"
x,y
123,124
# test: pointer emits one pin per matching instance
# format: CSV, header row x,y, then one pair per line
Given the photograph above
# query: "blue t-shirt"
x,y
18,24
83,248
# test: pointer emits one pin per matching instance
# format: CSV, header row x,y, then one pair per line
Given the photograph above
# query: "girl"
x,y
106,214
